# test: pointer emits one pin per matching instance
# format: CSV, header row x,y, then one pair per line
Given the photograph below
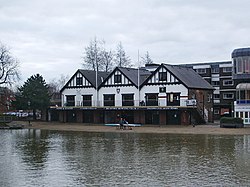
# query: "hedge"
x,y
231,120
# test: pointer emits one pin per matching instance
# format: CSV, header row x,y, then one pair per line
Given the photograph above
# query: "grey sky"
x,y
49,36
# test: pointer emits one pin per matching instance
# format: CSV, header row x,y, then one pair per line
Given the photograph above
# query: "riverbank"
x,y
170,129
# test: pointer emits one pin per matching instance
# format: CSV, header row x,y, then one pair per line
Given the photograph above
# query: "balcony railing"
x,y
243,101
120,103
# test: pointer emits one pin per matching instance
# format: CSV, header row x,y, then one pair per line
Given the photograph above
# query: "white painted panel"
x,y
118,96
169,88
226,65
168,77
201,66
215,79
78,94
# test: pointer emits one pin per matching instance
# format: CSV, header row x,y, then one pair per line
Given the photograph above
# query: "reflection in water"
x,y
50,158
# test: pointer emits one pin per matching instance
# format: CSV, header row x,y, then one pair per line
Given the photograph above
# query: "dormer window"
x,y
118,79
162,76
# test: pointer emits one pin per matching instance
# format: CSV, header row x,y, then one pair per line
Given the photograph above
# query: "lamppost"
x,y
29,112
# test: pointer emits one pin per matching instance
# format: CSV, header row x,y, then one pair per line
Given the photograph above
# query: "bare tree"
x,y
107,61
146,59
56,85
94,55
121,59
8,66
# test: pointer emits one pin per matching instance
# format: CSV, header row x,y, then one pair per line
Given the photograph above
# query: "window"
x,y
228,96
162,76
239,65
216,111
127,99
243,96
216,96
109,99
201,71
209,97
246,64
118,78
215,70
228,82
152,99
227,69
70,99
79,81
215,83
87,100
173,99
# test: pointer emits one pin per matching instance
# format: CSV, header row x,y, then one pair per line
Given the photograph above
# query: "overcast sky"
x,y
49,36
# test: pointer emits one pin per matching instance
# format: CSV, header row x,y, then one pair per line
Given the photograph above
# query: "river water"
x,y
56,158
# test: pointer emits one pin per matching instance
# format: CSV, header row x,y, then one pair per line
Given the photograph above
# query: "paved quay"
x,y
168,129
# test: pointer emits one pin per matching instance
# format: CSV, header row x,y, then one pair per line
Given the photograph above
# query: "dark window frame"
x,y
109,99
225,95
225,82
173,99
201,70
162,76
227,69
117,78
151,99
79,81
129,101
70,100
86,100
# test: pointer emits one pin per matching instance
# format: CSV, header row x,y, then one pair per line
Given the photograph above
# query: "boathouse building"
x,y
156,95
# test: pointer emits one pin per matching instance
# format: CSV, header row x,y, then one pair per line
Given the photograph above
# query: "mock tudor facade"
x,y
157,94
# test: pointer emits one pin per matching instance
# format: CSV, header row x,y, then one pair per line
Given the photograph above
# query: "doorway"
x,y
173,117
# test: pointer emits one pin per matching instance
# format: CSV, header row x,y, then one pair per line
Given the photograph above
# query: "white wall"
x,y
118,96
169,88
78,92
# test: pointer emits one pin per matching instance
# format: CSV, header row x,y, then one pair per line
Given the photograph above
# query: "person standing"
x,y
121,123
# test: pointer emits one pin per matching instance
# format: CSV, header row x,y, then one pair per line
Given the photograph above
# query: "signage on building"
x,y
191,102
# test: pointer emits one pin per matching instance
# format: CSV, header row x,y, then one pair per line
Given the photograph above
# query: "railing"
x,y
201,110
243,101
123,103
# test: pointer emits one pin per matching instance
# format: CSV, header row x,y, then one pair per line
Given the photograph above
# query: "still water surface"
x,y
52,158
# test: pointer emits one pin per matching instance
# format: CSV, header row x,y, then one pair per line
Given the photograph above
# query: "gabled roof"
x,y
188,77
90,75
131,74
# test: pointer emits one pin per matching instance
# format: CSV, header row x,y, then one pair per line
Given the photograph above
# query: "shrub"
x,y
231,120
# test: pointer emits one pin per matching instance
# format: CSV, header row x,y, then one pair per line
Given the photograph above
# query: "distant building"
x,y
241,77
6,98
219,75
